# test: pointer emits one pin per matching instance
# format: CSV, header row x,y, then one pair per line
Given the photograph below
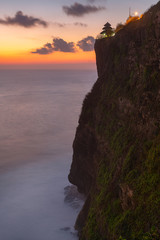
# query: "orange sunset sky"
x,y
57,33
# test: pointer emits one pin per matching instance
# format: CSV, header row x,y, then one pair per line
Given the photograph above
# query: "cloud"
x,y
61,25
23,20
48,45
58,45
62,46
43,51
86,44
80,24
78,10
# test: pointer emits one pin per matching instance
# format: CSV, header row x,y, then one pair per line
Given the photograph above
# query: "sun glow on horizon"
x,y
14,57
17,45
18,41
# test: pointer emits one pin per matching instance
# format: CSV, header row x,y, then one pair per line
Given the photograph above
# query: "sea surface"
x,y
39,111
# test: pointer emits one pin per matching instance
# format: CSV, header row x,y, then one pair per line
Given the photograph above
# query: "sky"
x,y
57,33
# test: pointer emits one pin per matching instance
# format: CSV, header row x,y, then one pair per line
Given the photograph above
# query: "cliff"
x,y
116,158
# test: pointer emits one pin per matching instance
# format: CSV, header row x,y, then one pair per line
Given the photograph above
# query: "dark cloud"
x,y
78,10
58,45
23,20
43,51
61,25
86,44
80,24
48,45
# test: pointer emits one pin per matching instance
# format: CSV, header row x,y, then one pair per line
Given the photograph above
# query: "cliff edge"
x,y
116,158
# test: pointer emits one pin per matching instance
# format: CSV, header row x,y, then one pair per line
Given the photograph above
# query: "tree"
x,y
119,27
107,30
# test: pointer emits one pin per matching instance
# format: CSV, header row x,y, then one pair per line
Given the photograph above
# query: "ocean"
x,y
39,111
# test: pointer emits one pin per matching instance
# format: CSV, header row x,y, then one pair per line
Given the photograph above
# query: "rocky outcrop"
x,y
116,159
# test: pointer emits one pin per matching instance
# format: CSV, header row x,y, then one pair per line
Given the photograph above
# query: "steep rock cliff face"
x,y
116,159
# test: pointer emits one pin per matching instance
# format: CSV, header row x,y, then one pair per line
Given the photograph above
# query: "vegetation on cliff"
x,y
116,160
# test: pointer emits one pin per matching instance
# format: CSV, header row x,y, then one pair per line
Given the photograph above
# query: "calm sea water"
x,y
39,112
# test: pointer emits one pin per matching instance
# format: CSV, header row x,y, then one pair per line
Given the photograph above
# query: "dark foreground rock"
x,y
116,160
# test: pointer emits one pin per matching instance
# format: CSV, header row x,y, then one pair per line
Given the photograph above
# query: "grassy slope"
x,y
123,112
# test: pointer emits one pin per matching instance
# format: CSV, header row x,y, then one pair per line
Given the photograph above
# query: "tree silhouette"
x,y
119,27
107,30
